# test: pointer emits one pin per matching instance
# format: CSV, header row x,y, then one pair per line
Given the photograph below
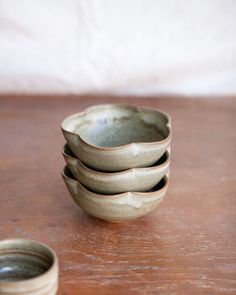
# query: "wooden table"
x,y
186,246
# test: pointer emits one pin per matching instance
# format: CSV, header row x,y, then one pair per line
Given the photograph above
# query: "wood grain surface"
x,y
186,246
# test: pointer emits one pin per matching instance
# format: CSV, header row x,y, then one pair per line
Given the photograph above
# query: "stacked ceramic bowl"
x,y
117,160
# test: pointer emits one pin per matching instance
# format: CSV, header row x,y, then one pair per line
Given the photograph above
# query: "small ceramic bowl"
x,y
135,179
27,267
118,137
119,207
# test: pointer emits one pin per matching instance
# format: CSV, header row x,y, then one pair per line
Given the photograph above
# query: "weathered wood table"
x,y
186,246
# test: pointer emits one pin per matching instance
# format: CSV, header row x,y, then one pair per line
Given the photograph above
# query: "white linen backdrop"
x,y
119,46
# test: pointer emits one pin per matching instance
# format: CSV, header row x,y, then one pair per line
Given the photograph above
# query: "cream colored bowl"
x,y
136,179
119,207
118,137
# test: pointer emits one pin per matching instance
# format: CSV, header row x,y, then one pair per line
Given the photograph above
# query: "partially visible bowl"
x,y
135,179
118,137
119,207
27,267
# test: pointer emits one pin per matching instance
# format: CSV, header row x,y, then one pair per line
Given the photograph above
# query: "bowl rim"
x,y
40,279
124,146
116,173
125,194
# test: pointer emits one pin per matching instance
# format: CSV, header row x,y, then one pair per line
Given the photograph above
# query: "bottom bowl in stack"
x,y
115,207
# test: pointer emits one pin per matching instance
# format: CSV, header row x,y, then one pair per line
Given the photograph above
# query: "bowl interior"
x,y
112,126
18,263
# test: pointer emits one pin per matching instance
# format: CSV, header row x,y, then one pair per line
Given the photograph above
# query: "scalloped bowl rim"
x,y
124,146
125,194
115,173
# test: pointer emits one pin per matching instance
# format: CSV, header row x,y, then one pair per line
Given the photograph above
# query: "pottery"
x,y
118,137
118,207
135,179
27,267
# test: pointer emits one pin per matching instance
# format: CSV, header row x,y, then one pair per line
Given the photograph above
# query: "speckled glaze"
x,y
27,267
118,137
136,179
119,207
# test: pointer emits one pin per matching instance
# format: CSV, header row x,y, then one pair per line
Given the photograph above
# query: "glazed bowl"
x,y
118,207
135,179
27,267
118,137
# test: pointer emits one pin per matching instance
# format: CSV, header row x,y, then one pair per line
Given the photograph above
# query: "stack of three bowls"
x,y
118,159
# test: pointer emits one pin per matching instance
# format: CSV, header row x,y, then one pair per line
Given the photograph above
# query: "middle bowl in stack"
x,y
119,158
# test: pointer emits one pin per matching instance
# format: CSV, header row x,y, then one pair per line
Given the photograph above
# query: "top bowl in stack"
x,y
114,138
117,137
